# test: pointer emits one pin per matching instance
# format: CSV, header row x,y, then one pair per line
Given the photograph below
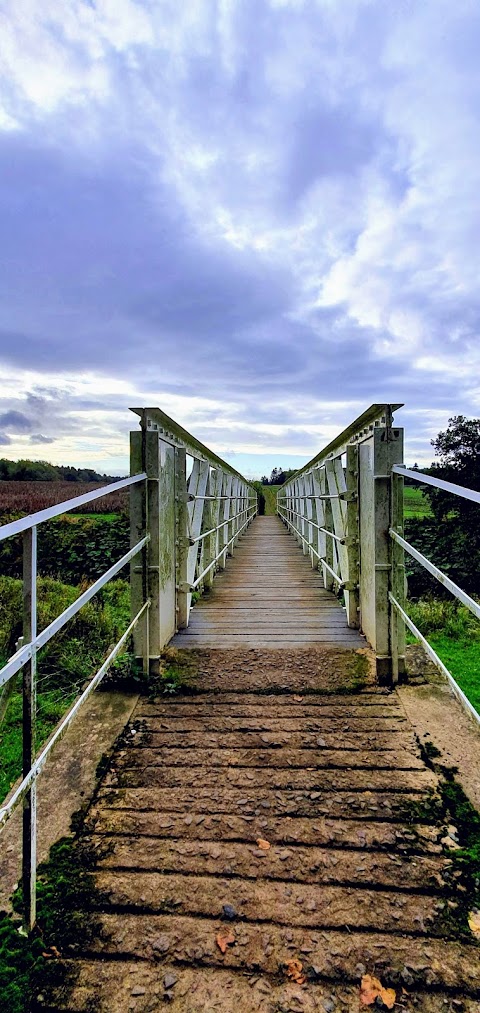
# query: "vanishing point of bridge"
x,y
270,838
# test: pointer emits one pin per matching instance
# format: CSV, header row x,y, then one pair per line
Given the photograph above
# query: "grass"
x,y
415,503
270,493
64,665
454,633
65,889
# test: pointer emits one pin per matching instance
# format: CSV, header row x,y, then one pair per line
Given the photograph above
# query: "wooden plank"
x,y
268,596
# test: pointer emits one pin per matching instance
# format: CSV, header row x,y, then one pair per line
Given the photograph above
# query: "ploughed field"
x,y
28,497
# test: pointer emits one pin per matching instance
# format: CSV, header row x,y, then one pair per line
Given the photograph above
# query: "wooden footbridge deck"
x,y
268,596
271,838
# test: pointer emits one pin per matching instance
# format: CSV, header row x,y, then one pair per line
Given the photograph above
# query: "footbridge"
x,y
272,836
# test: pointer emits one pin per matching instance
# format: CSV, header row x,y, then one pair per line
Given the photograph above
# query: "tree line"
x,y
42,471
278,476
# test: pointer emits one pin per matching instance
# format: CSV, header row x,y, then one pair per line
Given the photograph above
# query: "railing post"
x,y
210,520
382,448
183,597
351,596
29,835
139,577
397,625
225,512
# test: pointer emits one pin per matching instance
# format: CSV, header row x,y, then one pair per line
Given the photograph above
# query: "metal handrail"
x,y
455,589
26,658
439,483
33,520
37,767
19,659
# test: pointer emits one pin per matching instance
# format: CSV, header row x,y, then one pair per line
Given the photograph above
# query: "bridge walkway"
x,y
268,596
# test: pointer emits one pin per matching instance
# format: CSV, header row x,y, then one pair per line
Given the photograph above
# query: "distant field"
x,y
32,496
270,493
415,503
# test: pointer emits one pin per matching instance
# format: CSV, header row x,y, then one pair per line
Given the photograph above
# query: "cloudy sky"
x,y
259,215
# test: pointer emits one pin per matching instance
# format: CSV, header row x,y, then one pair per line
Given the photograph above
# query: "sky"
x,y
259,215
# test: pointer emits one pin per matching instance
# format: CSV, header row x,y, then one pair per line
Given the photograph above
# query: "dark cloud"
x,y
16,422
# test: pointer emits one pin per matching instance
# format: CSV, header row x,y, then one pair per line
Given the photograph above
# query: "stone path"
x,y
244,836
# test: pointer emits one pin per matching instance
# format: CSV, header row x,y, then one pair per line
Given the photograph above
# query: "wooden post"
x,y
382,448
328,524
225,512
397,625
210,521
352,533
183,596
29,834
139,590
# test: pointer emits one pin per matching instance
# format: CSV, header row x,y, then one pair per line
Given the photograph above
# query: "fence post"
x,y
378,452
351,596
29,827
397,625
139,589
181,538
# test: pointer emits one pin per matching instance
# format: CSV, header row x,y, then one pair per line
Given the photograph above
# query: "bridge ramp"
x,y
268,596
265,850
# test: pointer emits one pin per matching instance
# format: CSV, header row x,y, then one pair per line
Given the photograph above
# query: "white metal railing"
x,y
183,523
26,659
346,509
397,601
320,506
205,506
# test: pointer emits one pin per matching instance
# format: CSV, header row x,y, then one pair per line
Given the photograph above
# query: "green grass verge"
x,y
454,633
415,503
462,658
51,706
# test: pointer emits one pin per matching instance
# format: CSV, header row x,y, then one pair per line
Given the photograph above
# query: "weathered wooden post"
x,y
378,451
182,543
156,578
352,541
139,583
398,589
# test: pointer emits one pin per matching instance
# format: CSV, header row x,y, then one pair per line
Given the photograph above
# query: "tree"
x,y
451,538
458,448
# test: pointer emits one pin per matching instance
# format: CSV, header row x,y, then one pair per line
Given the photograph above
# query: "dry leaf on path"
x,y
474,923
225,939
298,699
371,988
294,970
263,845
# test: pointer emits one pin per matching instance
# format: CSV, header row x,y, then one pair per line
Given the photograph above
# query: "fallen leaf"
x,y
371,989
294,970
298,699
263,845
225,939
474,923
